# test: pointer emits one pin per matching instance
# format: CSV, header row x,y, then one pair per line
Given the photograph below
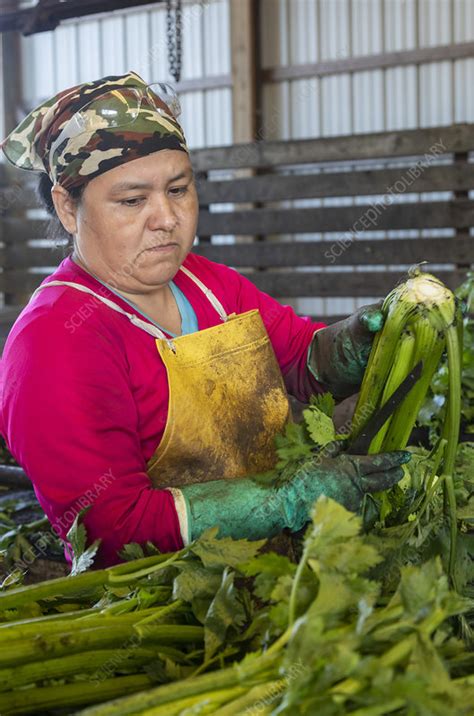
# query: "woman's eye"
x,y
131,202
178,190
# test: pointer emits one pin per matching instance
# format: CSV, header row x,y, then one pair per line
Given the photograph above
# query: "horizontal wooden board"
x,y
270,187
48,14
354,284
289,284
423,215
8,314
20,255
260,154
18,230
410,215
275,254
365,63
17,198
19,281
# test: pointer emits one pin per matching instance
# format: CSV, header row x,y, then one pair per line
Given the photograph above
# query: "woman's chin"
x,y
159,274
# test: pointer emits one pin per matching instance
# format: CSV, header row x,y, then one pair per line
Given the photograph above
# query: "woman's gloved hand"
x,y
338,354
243,508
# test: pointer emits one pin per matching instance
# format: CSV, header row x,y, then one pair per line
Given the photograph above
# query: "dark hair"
x,y
56,231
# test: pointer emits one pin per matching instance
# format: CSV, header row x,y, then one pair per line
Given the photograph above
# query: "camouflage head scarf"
x,y
101,147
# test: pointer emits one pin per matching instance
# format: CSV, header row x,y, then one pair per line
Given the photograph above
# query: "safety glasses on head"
x,y
117,108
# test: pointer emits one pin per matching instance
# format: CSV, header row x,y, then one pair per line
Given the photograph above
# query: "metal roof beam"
x,y
48,14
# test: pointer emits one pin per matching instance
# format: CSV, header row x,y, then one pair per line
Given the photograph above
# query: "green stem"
x,y
76,614
401,366
128,604
116,578
230,651
170,633
138,564
194,686
395,655
38,699
45,628
278,644
378,367
122,606
157,614
86,663
64,586
429,349
401,650
437,458
69,642
260,695
453,420
426,502
207,703
386,708
295,585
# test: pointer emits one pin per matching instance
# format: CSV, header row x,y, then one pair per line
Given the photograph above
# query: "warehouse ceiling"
x,y
43,15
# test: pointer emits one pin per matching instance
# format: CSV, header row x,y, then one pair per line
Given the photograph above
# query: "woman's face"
x,y
136,223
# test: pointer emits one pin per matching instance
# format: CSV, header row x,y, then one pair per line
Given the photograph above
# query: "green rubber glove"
x,y
243,508
338,354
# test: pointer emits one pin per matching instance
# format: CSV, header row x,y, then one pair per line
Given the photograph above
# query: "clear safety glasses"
x,y
116,108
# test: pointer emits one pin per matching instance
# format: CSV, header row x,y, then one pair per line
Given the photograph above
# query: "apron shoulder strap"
x,y
148,327
213,300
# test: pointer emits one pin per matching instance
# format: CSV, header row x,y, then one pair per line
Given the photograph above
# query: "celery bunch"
x,y
422,319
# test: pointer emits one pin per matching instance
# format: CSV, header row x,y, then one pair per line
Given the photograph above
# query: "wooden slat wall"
x,y
360,147
336,184
295,269
318,253
410,215
288,254
423,215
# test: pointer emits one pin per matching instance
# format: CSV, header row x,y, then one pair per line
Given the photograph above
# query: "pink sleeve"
x,y
70,420
289,333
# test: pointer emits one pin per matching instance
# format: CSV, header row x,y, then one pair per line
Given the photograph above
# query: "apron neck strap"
x,y
148,327
213,300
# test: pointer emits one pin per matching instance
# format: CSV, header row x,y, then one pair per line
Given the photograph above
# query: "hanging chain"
x,y
174,35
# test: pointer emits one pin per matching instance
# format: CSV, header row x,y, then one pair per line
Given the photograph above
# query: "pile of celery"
x,y
364,624
324,636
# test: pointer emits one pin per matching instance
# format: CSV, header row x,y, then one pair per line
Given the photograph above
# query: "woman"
x,y
140,378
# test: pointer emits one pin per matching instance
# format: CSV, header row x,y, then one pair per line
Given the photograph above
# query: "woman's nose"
x,y
162,215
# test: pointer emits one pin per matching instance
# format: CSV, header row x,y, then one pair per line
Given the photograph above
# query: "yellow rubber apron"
x,y
227,399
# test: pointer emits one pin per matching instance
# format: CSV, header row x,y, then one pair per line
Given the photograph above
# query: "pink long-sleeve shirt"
x,y
84,398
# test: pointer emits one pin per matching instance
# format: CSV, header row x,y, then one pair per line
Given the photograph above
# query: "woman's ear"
x,y
66,208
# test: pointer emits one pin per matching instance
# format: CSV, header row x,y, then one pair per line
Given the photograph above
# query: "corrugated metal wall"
x,y
293,32
304,31
84,50
307,31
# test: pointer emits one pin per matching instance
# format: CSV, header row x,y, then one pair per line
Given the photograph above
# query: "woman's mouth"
x,y
162,248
